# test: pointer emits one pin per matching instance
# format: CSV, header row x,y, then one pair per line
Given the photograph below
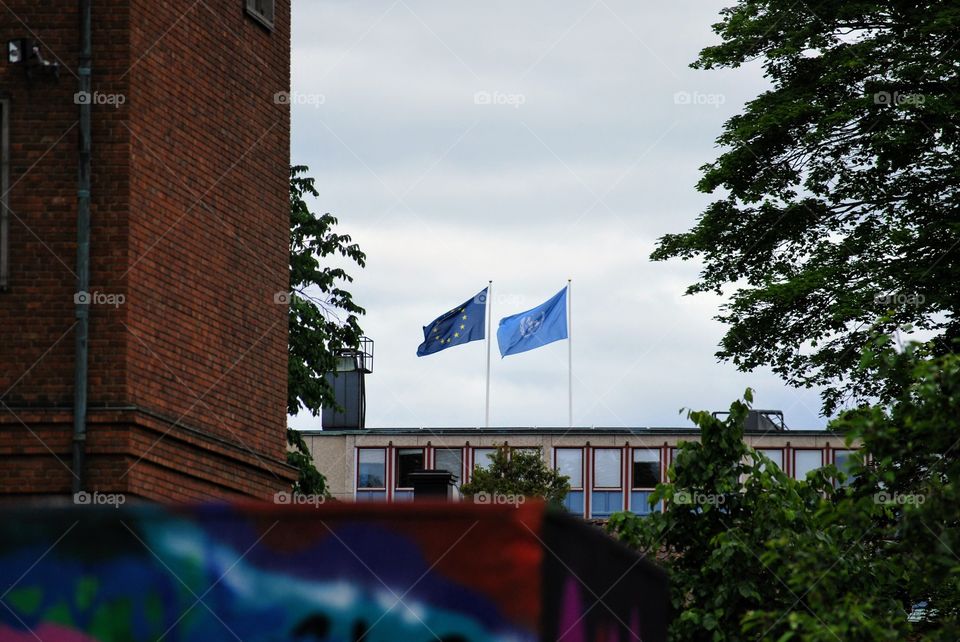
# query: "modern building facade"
x,y
144,352
610,469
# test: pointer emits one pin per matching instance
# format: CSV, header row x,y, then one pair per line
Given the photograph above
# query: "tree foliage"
x,y
518,472
324,319
836,215
753,554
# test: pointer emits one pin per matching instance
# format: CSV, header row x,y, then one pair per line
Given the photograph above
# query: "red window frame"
x,y
593,476
793,459
396,464
660,470
583,471
783,455
463,459
386,470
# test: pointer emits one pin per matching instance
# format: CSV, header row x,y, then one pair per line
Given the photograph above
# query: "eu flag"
x,y
543,324
463,324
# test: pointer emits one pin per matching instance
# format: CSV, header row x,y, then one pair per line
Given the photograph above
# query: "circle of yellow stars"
x,y
456,335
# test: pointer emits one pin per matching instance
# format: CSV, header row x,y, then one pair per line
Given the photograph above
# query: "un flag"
x,y
534,328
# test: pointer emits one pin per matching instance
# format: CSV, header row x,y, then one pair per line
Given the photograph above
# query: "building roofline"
x,y
555,431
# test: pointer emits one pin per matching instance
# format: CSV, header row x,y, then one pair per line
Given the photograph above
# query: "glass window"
x,y
842,459
262,10
449,459
674,451
640,503
481,457
573,502
372,468
606,468
646,467
408,461
528,449
804,461
604,503
774,454
570,463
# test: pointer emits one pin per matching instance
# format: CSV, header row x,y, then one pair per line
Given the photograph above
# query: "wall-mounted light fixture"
x,y
26,52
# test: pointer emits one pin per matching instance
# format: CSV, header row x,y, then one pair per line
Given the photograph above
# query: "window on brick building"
x,y
409,460
4,188
774,454
481,457
450,460
805,460
607,495
644,477
841,459
262,11
569,462
371,474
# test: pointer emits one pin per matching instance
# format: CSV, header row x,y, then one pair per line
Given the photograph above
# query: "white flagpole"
x,y
489,323
570,349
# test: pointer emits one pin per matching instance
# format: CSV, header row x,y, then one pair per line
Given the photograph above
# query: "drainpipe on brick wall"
x,y
82,304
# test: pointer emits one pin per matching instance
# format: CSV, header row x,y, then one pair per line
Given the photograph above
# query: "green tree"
x,y
914,475
518,472
324,319
836,189
753,554
727,505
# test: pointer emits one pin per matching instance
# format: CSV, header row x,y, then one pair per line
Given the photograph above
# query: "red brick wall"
x,y
36,314
209,140
190,225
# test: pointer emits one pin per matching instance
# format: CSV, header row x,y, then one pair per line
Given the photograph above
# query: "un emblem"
x,y
530,325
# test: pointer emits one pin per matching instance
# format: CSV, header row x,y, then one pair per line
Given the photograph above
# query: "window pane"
x,y
449,459
805,461
674,451
842,460
606,462
605,503
408,460
573,502
640,503
372,468
570,463
481,457
646,467
774,454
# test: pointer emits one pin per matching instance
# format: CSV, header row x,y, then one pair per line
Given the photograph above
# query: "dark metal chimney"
x,y
349,388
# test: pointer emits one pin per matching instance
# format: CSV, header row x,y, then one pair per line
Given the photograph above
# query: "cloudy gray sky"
x,y
526,143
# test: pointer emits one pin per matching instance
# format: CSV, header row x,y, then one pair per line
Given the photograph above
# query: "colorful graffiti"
x,y
446,573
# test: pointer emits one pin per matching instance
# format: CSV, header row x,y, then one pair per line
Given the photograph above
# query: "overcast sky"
x,y
526,143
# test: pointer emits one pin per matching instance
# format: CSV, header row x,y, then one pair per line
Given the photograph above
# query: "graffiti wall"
x,y
412,573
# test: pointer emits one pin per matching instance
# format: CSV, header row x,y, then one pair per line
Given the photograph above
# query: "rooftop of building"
x,y
552,430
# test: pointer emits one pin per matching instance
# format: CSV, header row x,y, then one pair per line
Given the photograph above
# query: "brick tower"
x,y
186,348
